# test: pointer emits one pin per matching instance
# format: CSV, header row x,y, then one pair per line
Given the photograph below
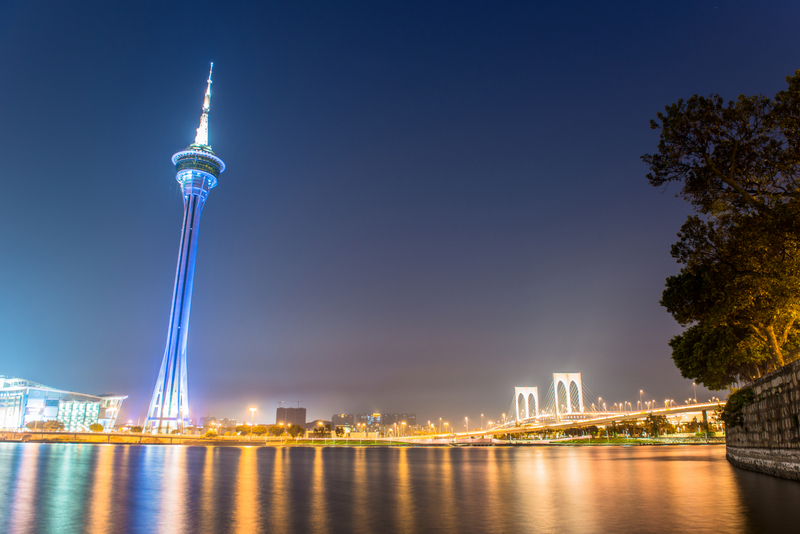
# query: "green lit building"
x,y
23,402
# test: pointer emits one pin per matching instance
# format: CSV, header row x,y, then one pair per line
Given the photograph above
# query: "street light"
x,y
466,424
481,421
641,406
694,385
252,419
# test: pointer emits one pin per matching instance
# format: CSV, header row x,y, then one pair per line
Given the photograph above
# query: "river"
x,y
74,488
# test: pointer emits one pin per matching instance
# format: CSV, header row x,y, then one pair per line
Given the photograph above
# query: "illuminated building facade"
x,y
381,422
343,419
23,402
198,169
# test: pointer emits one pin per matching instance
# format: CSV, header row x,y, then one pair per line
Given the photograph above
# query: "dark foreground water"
x,y
56,488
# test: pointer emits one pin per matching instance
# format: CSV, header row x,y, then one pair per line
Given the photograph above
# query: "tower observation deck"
x,y
198,169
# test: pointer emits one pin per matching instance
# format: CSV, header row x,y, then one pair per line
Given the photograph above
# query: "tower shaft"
x,y
170,404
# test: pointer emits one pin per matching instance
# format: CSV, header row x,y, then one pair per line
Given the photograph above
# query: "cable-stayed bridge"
x,y
568,403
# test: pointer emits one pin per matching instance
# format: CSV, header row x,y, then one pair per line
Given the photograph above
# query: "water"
x,y
74,488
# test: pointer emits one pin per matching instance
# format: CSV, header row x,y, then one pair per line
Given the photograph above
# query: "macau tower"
x,y
197,171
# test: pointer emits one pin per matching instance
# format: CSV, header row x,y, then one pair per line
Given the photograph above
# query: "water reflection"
x,y
247,517
100,500
23,498
119,488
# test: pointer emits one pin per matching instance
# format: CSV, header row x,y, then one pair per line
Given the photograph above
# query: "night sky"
x,y
425,204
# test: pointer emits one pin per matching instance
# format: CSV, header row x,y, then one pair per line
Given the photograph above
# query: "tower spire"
x,y
202,132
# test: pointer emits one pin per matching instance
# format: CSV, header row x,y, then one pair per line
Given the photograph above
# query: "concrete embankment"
x,y
766,437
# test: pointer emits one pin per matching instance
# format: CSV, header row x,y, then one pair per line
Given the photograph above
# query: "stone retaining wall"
x,y
768,441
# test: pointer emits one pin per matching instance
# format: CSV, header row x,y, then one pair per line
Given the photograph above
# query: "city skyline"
x,y
426,206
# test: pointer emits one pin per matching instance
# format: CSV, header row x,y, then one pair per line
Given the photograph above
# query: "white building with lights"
x,y
23,401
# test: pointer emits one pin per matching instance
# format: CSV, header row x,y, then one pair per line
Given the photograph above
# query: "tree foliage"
x,y
295,430
45,425
738,291
96,427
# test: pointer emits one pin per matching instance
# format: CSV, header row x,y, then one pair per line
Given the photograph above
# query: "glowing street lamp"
x,y
694,385
252,419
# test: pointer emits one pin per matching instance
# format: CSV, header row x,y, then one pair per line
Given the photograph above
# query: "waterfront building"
x,y
23,401
291,416
378,421
341,419
198,169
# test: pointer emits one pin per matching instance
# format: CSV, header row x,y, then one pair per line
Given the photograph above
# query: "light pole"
x,y
641,406
440,425
599,402
252,419
694,385
481,421
466,424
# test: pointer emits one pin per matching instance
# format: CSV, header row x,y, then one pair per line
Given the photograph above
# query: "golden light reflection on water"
x,y
99,509
173,516
247,512
206,510
448,512
361,512
279,504
405,500
319,504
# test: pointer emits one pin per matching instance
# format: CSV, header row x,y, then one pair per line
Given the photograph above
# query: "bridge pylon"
x,y
567,381
526,402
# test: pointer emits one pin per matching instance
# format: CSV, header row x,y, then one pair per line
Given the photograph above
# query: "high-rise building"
x,y
198,169
291,416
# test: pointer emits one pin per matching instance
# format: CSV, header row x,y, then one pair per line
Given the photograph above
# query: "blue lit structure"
x,y
198,170
24,402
